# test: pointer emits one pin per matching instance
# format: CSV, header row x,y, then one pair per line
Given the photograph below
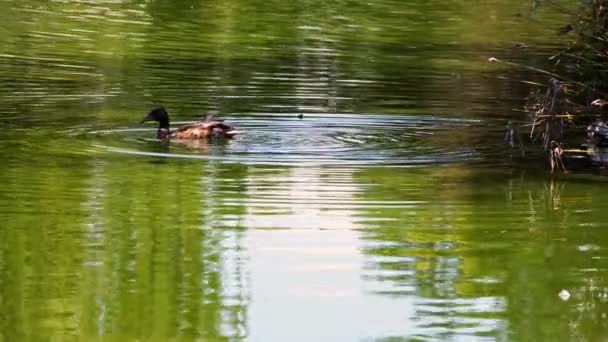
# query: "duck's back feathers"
x,y
203,130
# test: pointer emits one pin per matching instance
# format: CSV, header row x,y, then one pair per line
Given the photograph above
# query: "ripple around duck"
x,y
336,139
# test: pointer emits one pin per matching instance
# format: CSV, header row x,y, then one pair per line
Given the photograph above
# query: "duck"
x,y
198,130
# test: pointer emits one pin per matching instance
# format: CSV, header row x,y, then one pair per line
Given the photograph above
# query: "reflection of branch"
x,y
552,196
554,193
531,203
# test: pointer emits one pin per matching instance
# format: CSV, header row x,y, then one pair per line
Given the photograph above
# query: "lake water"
x,y
391,211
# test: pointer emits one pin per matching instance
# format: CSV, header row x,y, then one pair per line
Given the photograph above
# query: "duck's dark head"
x,y
159,115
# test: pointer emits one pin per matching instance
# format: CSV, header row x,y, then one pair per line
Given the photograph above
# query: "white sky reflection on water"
x,y
308,280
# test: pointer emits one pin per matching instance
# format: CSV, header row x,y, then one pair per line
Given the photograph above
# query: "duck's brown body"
x,y
197,130
203,130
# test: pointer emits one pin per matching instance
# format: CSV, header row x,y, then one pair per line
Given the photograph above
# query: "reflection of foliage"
x,y
38,245
474,248
197,54
121,249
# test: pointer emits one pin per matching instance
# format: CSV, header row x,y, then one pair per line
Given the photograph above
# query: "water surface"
x,y
390,211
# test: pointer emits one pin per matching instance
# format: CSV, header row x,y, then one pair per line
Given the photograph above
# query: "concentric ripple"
x,y
336,139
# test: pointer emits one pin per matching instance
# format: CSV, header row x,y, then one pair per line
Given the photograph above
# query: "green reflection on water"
x,y
102,245
180,249
92,252
247,56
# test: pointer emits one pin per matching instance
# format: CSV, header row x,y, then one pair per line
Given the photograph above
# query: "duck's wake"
x,y
388,140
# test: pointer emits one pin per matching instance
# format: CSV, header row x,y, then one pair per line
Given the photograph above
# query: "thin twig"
x,y
527,67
